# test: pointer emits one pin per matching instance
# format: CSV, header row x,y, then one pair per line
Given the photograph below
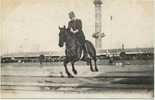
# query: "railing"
x,y
55,59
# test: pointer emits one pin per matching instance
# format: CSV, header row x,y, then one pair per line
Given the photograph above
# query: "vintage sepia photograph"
x,y
77,49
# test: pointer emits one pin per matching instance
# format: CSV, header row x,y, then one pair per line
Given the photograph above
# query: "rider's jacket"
x,y
77,25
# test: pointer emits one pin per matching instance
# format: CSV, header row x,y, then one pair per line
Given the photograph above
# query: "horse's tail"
x,y
90,49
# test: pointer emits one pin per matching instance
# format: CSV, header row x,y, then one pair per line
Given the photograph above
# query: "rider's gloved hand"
x,y
74,31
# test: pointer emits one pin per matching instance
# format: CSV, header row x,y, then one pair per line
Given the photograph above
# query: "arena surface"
x,y
32,80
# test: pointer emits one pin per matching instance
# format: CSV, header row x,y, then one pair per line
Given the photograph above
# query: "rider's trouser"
x,y
80,36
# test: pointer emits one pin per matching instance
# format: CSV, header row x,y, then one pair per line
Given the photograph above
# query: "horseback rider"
x,y
75,26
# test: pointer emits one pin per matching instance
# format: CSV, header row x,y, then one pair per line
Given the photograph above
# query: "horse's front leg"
x,y
66,61
73,67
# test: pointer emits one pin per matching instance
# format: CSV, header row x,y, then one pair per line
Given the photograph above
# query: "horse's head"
x,y
62,36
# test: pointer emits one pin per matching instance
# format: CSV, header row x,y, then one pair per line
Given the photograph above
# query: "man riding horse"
x,y
75,44
75,26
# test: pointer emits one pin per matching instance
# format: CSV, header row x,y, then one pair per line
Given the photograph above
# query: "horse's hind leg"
x,y
88,60
96,69
91,67
66,69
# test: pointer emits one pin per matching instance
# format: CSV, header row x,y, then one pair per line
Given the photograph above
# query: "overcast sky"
x,y
32,25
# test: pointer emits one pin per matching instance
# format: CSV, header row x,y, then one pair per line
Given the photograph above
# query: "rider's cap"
x,y
71,14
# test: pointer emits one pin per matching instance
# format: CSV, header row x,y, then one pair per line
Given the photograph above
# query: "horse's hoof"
x,y
92,70
75,72
96,70
70,76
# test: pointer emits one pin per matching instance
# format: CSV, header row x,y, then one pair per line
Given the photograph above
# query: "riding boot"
x,y
85,53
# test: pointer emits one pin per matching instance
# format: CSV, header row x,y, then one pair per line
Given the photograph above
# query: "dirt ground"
x,y
50,81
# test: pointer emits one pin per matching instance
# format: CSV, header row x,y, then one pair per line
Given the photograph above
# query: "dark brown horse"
x,y
74,50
